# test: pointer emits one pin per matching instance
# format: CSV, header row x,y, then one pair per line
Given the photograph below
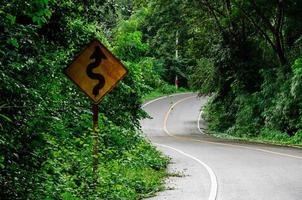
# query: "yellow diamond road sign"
x,y
96,71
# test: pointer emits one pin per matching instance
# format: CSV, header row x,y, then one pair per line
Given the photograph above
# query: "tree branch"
x,y
207,4
262,32
261,15
211,9
279,24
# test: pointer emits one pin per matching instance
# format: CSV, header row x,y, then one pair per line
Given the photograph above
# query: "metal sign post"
x,y
95,154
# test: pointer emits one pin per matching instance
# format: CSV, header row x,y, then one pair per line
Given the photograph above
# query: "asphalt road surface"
x,y
209,168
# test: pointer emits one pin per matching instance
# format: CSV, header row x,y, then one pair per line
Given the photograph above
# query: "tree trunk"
x,y
279,49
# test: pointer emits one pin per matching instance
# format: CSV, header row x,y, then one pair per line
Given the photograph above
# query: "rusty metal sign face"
x,y
96,71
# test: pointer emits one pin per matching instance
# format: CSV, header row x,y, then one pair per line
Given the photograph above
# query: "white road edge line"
x,y
198,121
214,184
213,178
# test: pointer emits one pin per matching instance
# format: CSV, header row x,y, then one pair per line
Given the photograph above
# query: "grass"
x,y
262,139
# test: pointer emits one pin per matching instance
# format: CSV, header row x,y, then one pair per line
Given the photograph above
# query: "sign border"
x,y
78,55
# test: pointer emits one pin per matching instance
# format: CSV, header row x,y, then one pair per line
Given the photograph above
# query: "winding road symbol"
x,y
98,56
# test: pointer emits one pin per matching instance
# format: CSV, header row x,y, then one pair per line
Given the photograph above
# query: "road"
x,y
208,168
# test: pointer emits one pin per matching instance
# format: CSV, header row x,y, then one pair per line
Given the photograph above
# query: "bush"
x,y
219,115
297,138
274,135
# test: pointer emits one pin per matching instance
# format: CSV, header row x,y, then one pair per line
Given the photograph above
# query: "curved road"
x,y
209,168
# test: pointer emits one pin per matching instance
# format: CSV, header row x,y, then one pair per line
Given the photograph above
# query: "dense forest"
x,y
245,54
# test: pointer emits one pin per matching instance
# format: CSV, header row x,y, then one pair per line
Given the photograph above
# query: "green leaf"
x,y
6,118
13,42
1,162
11,19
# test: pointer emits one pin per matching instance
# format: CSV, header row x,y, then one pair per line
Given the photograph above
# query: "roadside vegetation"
x,y
46,141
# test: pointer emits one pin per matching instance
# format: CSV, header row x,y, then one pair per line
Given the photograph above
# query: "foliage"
x,y
203,75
